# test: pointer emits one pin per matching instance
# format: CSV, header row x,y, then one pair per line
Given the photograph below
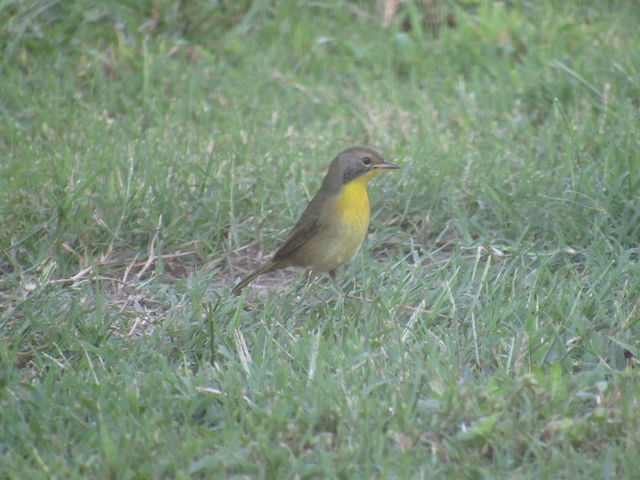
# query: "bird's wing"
x,y
308,225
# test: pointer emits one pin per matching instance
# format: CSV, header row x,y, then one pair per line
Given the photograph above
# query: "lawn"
x,y
154,152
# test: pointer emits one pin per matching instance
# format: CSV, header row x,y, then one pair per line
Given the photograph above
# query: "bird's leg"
x,y
335,284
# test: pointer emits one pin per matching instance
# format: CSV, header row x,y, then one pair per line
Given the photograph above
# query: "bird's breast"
x,y
345,223
350,226
352,207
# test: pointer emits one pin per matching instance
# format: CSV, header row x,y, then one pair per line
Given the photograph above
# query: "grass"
x,y
154,152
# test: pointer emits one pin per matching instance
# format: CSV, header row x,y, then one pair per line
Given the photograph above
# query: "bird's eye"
x,y
366,161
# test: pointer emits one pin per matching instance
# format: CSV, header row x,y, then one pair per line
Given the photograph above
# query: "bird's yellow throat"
x,y
353,201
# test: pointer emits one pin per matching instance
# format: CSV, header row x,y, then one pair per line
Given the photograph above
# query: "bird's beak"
x,y
386,164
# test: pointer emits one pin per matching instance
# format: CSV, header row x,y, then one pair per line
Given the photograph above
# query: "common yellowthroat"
x,y
334,224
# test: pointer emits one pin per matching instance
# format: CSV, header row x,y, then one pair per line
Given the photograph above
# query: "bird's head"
x,y
355,163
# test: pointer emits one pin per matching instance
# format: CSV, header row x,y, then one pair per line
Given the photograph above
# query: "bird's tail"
x,y
267,267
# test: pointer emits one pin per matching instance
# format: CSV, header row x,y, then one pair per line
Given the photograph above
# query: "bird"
x,y
332,228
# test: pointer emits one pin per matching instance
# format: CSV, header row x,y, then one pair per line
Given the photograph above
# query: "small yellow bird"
x,y
334,224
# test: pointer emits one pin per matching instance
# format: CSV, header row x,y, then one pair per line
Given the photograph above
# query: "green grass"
x,y
155,151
